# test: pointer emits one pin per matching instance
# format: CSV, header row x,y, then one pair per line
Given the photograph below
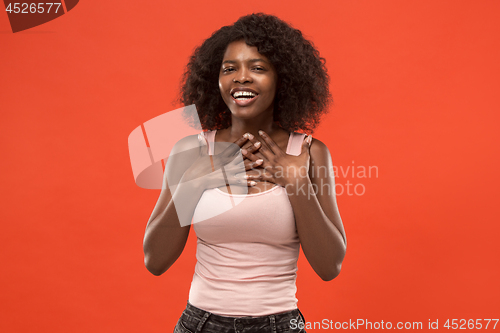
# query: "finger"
x,y
233,149
273,147
248,155
262,176
247,145
241,141
237,180
257,154
242,180
246,163
253,141
248,142
249,183
254,146
252,165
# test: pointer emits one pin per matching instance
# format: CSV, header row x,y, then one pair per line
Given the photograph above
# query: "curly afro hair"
x,y
302,94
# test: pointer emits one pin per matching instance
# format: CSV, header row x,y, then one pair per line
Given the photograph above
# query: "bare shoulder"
x,y
319,151
181,157
321,162
186,143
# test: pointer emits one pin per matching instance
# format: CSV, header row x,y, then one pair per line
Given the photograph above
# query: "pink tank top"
x,y
246,253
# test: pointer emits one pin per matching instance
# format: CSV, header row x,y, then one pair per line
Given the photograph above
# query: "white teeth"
x,y
243,93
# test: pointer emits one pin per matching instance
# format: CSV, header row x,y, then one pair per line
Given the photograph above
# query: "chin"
x,y
243,112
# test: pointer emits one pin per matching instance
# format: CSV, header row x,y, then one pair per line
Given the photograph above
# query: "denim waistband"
x,y
203,316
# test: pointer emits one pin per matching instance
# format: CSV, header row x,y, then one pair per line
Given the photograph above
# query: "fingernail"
x,y
259,161
245,176
261,132
248,136
257,144
253,183
244,151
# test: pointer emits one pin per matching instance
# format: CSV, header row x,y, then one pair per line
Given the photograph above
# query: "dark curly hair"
x,y
302,94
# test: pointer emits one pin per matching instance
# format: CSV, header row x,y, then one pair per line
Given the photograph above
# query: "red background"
x,y
415,85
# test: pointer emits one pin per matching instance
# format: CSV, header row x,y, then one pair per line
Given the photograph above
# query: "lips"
x,y
243,96
234,90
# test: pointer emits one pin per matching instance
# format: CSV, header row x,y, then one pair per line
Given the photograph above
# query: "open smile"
x,y
243,98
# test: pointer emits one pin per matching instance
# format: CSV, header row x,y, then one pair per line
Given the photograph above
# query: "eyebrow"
x,y
251,60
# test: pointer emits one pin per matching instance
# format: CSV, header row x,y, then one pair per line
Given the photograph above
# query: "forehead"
x,y
239,50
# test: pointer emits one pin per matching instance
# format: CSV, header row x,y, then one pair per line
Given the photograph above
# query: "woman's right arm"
x,y
189,171
165,236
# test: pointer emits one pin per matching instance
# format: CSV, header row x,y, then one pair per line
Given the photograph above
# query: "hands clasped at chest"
x,y
277,166
246,162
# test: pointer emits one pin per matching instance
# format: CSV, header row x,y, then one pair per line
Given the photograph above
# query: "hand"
x,y
279,167
210,171
252,147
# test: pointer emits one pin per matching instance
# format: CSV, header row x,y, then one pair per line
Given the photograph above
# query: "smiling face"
x,y
247,81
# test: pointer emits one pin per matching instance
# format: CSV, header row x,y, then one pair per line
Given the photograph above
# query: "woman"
x,y
254,84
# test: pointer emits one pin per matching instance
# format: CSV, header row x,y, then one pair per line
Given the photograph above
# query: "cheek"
x,y
222,89
273,88
269,84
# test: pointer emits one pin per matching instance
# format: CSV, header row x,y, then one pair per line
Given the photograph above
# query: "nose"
x,y
242,76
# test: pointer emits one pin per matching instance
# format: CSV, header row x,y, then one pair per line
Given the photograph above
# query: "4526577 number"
x,y
463,324
32,8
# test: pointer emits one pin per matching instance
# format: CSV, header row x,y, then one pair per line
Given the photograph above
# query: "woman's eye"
x,y
258,68
227,69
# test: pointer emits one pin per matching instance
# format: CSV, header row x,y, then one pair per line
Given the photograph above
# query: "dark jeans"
x,y
195,320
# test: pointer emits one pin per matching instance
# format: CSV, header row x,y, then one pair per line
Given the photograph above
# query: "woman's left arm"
x,y
310,185
317,217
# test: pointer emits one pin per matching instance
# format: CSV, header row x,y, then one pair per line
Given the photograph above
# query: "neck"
x,y
241,126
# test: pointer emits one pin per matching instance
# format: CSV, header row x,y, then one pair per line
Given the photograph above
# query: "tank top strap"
x,y
210,136
294,146
295,143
